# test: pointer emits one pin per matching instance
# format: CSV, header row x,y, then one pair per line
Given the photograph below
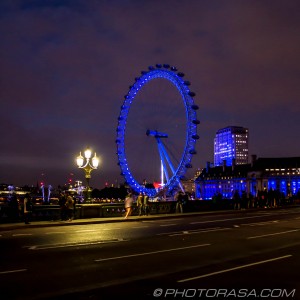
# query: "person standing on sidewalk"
x,y
74,206
70,207
179,202
62,204
139,203
146,204
27,209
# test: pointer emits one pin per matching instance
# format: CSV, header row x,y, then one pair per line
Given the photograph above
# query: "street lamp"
x,y
88,165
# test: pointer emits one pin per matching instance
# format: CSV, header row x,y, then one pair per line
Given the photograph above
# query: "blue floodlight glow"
x,y
272,185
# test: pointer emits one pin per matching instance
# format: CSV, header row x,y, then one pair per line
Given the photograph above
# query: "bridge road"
x,y
250,250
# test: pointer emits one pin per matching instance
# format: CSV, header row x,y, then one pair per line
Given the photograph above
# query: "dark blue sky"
x,y
66,66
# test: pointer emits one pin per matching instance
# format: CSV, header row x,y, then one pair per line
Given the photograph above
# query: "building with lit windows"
x,y
261,175
231,143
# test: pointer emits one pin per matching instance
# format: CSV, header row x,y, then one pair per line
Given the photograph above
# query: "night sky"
x,y
66,66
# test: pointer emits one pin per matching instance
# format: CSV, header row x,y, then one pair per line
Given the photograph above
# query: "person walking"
x,y
128,205
139,203
70,207
27,209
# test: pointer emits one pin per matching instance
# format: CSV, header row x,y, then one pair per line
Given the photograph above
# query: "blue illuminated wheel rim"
x,y
176,78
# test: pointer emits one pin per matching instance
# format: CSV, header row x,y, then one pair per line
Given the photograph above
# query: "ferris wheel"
x,y
159,129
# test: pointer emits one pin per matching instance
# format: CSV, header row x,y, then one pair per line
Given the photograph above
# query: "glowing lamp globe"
x,y
79,160
95,161
88,153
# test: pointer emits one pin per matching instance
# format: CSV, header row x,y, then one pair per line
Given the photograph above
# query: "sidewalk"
x,y
38,224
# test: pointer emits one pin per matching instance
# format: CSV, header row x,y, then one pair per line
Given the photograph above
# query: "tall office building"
x,y
231,143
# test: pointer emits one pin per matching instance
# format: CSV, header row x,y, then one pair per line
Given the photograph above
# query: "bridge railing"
x,y
82,211
108,210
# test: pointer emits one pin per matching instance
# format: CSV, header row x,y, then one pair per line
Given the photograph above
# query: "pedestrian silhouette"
x,y
27,209
62,204
70,207
179,202
128,205
139,203
146,207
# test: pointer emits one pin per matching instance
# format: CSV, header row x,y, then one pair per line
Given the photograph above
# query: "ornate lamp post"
x,y
88,165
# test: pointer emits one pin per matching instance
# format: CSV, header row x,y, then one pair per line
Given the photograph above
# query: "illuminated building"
x,y
231,143
261,175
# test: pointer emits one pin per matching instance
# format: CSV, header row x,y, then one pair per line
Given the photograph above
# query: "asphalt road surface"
x,y
230,255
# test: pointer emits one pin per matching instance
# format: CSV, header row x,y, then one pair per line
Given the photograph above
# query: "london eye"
x,y
157,126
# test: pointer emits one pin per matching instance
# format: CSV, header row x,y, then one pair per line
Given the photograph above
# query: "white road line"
x,y
235,268
200,231
170,220
168,233
22,234
223,220
54,246
137,227
149,253
190,231
260,223
12,271
271,234
161,221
